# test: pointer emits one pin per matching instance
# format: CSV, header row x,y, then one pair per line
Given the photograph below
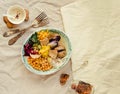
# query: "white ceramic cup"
x,y
16,14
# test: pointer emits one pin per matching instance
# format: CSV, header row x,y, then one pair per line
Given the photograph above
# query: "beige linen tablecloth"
x,y
94,30
14,77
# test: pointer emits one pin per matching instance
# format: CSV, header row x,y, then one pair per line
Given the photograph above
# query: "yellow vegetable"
x,y
43,34
40,63
44,51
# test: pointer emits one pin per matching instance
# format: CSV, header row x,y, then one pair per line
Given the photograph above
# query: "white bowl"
x,y
64,60
16,14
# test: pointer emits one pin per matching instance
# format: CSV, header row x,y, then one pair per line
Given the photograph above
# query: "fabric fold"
x,y
93,28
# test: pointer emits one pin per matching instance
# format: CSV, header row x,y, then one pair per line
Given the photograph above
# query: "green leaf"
x,y
34,39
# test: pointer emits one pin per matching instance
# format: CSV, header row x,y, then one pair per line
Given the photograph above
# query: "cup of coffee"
x,y
16,14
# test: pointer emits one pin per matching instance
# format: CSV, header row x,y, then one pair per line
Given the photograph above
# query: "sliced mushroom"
x,y
60,48
53,53
44,41
61,43
61,54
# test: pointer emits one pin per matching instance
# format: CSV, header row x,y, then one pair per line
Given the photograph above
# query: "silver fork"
x,y
40,20
36,21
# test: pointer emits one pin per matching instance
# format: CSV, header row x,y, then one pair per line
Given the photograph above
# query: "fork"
x,y
40,20
36,21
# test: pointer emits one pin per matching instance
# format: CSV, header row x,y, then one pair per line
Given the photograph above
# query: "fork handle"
x,y
27,28
14,39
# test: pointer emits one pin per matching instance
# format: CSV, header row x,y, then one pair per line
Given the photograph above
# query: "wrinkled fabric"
x,y
93,27
14,77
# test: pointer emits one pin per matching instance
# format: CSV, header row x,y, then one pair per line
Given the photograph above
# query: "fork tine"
x,y
38,15
40,19
44,22
41,16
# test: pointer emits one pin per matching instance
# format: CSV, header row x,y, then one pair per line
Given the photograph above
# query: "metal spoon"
x,y
11,32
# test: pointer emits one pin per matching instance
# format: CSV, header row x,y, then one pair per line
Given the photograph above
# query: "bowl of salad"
x,y
46,51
